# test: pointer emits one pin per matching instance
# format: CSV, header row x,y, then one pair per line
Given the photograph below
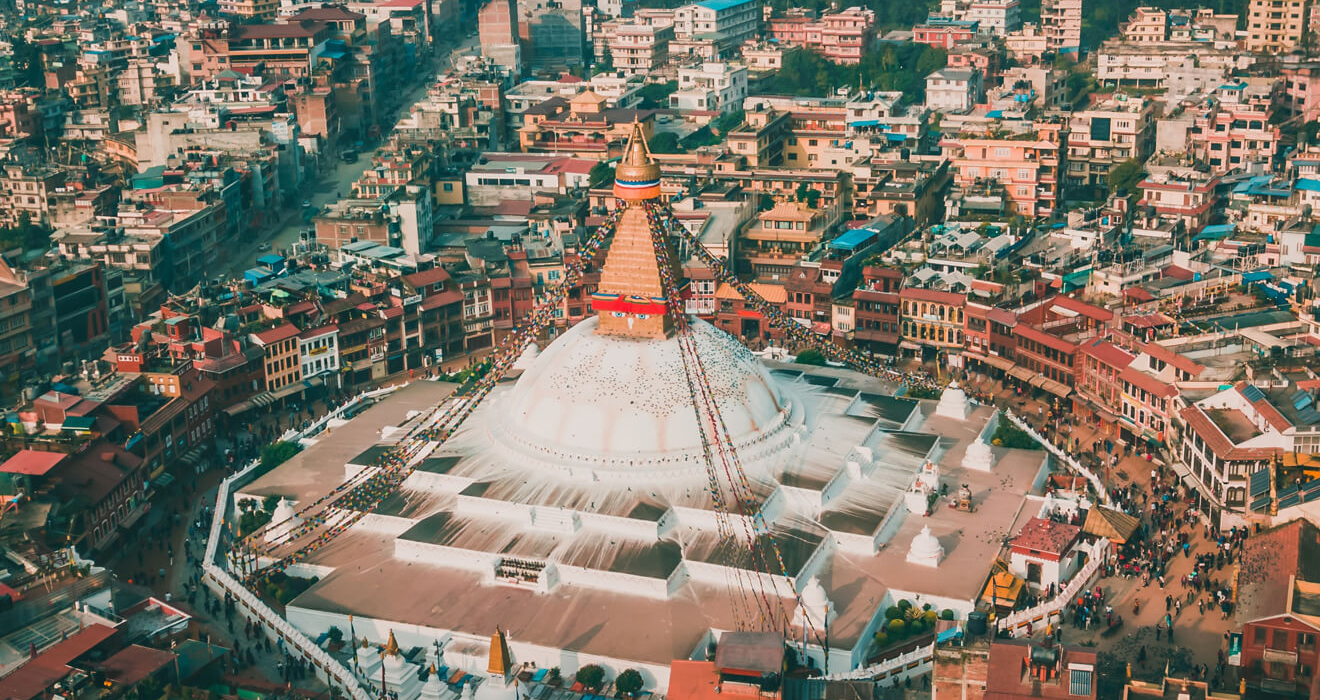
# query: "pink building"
x,y
1301,90
1235,130
1026,165
1190,201
840,36
943,33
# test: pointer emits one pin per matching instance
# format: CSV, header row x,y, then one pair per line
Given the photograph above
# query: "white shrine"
x,y
953,403
926,549
283,520
979,456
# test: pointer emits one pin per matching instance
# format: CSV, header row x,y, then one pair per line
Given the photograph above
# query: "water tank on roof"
x,y
976,623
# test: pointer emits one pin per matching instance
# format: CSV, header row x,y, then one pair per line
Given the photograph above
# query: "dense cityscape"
x,y
549,350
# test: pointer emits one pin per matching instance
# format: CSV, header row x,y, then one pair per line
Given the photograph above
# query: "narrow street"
x,y
337,177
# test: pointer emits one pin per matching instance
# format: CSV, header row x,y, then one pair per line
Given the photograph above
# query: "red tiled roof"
x,y
934,295
32,462
1044,338
1138,294
1006,681
1107,353
426,278
318,332
693,680
435,301
1088,310
1164,354
134,663
1002,316
278,31
1179,273
274,335
34,677
1266,410
330,12
1041,535
1147,383
1146,320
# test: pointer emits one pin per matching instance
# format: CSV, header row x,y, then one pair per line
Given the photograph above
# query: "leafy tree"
x,y
728,122
591,676
1125,176
335,634
277,453
629,682
893,612
600,174
665,142
946,614
656,95
606,62
765,203
1009,435
881,640
930,61
813,198
897,629
701,137
811,356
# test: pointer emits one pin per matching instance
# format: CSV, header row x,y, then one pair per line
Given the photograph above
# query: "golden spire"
x,y
630,298
392,646
498,663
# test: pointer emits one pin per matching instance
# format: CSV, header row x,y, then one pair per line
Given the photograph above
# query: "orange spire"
x,y
630,298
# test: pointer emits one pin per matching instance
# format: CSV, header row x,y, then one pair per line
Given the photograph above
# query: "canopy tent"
x,y
1003,589
1115,525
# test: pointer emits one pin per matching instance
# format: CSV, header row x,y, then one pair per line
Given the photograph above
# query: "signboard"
x,y
1235,649
1279,656
412,300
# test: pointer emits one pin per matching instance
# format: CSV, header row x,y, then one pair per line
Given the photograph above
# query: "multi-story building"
x,y
1026,164
1061,23
710,87
876,303
1275,26
318,352
1182,67
1027,45
261,10
726,24
1147,24
639,49
779,238
840,36
1106,135
283,362
932,319
943,32
1236,129
581,127
997,17
1277,594
497,23
1190,200
953,89
552,30
1229,436
16,348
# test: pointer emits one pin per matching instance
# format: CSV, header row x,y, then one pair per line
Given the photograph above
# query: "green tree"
x,y
811,356
930,61
665,142
728,122
1009,435
600,174
897,629
629,682
606,62
765,203
277,453
656,95
1125,176
591,676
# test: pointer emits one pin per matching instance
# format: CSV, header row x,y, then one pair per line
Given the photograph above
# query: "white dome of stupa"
x,y
979,456
283,519
926,549
953,403
621,405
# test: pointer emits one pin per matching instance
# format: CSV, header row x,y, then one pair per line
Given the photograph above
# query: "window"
x,y
1079,681
1280,639
1259,636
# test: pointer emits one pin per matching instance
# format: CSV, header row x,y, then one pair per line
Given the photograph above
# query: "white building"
x,y
1046,552
953,89
712,87
318,352
997,17
728,23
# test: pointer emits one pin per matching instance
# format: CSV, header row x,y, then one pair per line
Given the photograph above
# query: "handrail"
x,y
1084,578
1073,464
222,580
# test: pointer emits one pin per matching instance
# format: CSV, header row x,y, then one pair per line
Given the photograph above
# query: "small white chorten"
x,y
283,520
432,689
926,549
816,609
953,403
979,457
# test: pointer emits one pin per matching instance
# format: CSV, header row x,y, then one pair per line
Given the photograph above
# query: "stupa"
x,y
284,519
979,456
926,549
575,503
953,403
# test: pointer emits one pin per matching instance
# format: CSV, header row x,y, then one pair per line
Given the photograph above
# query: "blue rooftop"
x,y
853,239
718,5
1308,185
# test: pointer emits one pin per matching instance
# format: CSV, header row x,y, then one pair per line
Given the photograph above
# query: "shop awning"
x,y
1021,373
1059,389
998,362
1115,525
79,423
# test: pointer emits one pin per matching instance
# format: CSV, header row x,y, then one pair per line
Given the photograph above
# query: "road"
x,y
337,179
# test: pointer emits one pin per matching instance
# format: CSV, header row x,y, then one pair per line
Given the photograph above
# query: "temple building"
x,y
573,511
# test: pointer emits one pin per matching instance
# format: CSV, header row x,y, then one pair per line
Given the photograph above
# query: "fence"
x,y
1039,614
1096,483
899,666
252,606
